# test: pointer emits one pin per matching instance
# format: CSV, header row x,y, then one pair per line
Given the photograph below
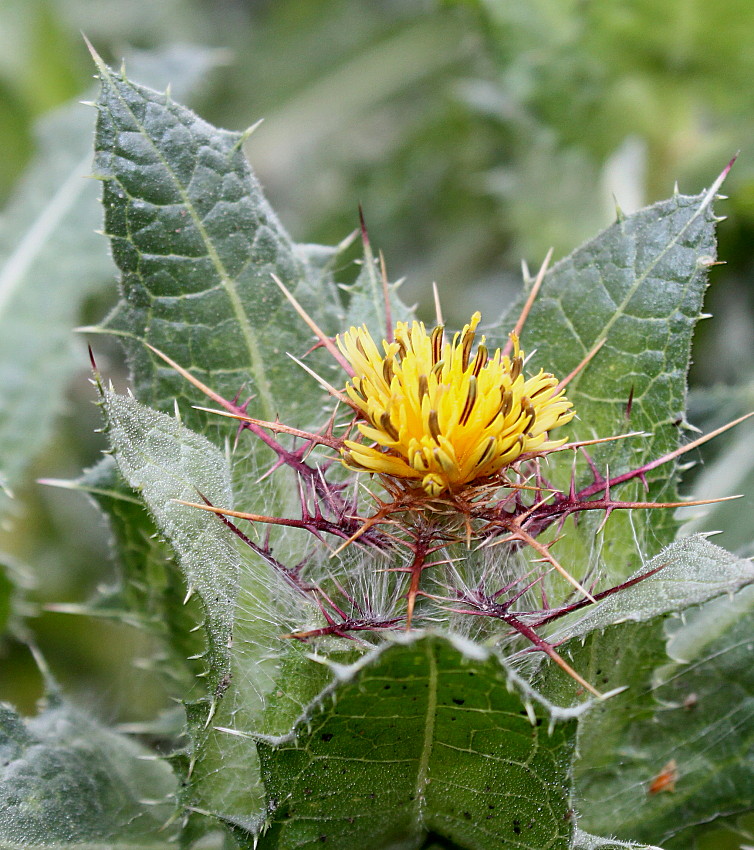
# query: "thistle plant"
x,y
419,589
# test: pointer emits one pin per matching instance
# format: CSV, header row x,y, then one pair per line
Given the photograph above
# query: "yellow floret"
x,y
436,415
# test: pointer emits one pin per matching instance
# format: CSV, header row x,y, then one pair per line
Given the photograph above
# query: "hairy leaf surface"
x,y
638,286
688,710
416,738
197,245
68,782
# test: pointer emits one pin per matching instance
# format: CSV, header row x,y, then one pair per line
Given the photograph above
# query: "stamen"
x,y
438,367
480,360
437,343
529,411
485,456
388,427
388,370
434,426
466,343
470,399
423,387
517,365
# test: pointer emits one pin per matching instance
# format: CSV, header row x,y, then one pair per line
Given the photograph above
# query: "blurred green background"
x,y
475,134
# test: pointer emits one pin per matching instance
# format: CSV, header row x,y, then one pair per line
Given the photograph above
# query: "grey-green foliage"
x,y
690,701
638,286
424,736
196,240
688,572
51,260
197,245
164,461
150,588
66,781
584,841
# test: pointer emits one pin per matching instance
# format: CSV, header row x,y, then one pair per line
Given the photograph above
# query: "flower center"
x,y
441,414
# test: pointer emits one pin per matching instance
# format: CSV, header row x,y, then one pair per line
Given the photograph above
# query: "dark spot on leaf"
x,y
326,736
517,827
459,701
467,815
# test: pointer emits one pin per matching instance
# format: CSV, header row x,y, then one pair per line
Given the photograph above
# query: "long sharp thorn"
x,y
629,403
545,552
364,232
580,367
549,650
564,665
191,379
386,297
278,427
599,485
689,504
318,332
438,306
336,393
272,520
713,190
529,302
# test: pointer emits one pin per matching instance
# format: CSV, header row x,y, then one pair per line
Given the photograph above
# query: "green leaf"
x,y
690,571
67,781
582,841
427,735
639,287
197,245
151,588
689,702
51,260
165,461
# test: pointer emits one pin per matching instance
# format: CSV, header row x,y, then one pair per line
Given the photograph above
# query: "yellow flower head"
x,y
439,416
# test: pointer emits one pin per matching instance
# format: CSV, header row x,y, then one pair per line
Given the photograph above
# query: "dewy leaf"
x,y
690,571
51,260
165,461
65,781
197,245
639,286
687,713
582,841
424,736
151,586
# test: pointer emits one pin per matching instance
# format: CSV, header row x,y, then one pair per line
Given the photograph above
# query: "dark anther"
x,y
529,411
434,426
388,427
466,343
437,343
479,361
516,366
470,400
